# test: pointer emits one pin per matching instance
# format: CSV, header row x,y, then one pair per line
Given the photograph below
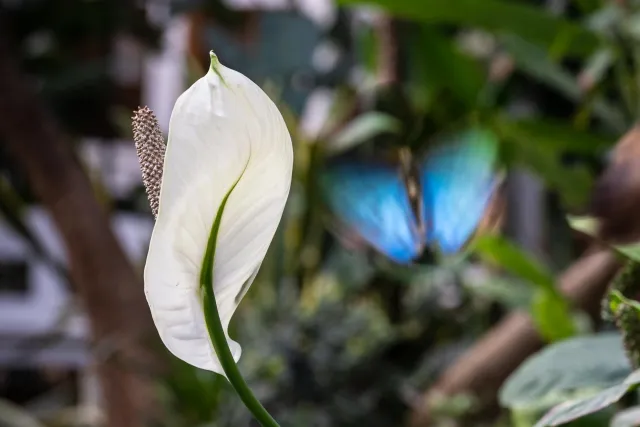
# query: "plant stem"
x,y
216,331
214,326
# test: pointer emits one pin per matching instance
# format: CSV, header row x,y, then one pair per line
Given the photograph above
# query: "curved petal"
x,y
225,136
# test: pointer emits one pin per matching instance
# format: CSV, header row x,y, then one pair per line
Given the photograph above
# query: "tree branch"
x,y
110,289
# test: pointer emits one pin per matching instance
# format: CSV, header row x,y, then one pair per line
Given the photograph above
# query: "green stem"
x,y
216,331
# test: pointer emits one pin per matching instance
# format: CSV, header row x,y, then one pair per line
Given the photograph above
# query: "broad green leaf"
x,y
572,368
532,23
627,418
552,316
577,408
588,225
535,61
363,128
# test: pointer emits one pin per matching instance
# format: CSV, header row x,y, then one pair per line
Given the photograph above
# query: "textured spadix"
x,y
229,156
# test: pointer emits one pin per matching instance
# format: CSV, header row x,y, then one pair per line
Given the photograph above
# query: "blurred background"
x,y
333,333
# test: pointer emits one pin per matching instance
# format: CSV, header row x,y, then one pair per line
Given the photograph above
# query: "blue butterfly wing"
x,y
458,180
373,201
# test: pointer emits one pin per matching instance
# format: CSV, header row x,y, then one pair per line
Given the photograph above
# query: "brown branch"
x,y
388,56
485,366
110,289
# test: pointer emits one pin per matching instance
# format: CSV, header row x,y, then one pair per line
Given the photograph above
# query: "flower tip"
x,y
215,62
216,66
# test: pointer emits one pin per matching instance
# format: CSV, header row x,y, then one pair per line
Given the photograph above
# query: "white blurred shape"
x,y
115,163
316,112
164,77
321,12
325,56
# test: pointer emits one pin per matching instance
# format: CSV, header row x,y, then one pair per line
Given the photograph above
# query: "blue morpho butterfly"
x,y
437,203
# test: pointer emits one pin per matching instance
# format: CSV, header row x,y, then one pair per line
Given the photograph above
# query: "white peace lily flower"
x,y
225,181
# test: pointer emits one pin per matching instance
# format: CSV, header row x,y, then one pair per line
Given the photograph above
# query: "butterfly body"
x,y
436,203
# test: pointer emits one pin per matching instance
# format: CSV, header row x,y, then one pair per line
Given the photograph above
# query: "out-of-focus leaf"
x,y
534,24
585,224
574,367
627,418
535,61
596,67
369,47
531,148
512,294
554,136
511,258
197,392
363,128
577,408
344,105
605,19
552,316
13,416
631,26
550,311
444,66
588,225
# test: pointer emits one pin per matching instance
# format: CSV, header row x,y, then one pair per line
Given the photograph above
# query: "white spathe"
x,y
224,129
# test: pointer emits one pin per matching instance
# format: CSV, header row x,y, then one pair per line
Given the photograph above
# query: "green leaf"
x,y
597,66
577,408
554,136
542,152
588,225
363,128
534,24
550,311
575,367
514,260
444,66
616,299
535,61
552,316
510,293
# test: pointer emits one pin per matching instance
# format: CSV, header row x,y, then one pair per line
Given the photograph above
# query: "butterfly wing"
x,y
458,181
373,201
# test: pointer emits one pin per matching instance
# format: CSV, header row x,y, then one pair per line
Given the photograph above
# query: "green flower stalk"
x,y
218,192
